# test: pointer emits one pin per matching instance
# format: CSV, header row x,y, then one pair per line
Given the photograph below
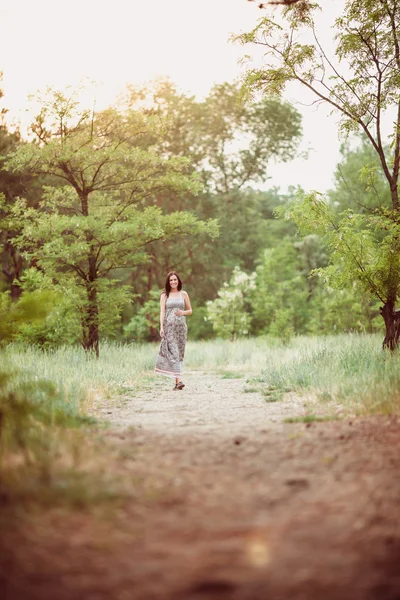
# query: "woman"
x,y
174,306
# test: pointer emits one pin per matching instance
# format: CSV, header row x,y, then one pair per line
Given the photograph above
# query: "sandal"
x,y
179,386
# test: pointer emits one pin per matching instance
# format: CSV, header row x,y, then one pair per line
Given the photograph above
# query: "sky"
x,y
113,43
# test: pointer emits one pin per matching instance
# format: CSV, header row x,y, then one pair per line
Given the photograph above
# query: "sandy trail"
x,y
208,403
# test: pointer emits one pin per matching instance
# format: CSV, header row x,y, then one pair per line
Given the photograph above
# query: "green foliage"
x,y
60,327
290,299
12,185
145,319
310,419
280,302
34,413
346,369
340,310
28,406
200,327
360,184
230,141
29,311
231,144
96,222
228,313
364,248
366,36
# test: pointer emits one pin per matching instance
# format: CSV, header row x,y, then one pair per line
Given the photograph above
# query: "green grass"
x,y
346,369
83,380
309,419
46,399
349,370
242,356
231,375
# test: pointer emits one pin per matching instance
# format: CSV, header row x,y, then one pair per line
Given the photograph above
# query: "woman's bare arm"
x,y
188,307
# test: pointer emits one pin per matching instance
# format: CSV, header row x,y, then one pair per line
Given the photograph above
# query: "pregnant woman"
x,y
174,306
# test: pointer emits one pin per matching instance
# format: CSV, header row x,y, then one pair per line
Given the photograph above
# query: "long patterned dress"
x,y
172,348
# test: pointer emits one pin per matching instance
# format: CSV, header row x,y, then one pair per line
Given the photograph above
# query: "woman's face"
x,y
173,282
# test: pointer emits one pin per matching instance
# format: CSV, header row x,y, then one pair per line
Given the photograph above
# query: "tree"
x,y
280,2
360,183
231,145
290,299
96,221
285,291
227,312
360,83
12,185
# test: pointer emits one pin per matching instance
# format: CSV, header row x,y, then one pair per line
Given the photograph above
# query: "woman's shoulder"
x,y
163,294
184,293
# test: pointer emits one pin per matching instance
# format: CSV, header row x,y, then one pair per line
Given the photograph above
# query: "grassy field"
x,y
343,368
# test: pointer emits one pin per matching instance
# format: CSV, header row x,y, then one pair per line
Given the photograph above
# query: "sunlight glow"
x,y
111,44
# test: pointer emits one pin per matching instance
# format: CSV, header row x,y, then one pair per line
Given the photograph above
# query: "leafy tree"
x,y
146,318
12,185
367,40
231,144
290,298
340,310
279,2
284,289
229,312
360,184
97,220
29,311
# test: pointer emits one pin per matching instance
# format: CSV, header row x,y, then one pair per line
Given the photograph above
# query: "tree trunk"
x,y
12,269
90,323
392,324
154,334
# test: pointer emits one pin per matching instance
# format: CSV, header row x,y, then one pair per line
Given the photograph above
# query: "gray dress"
x,y
172,347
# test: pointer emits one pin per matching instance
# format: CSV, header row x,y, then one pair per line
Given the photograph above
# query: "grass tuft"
x,y
310,419
231,375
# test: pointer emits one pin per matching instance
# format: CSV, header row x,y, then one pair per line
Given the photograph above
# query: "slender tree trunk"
x,y
91,318
392,324
90,322
12,271
16,292
388,312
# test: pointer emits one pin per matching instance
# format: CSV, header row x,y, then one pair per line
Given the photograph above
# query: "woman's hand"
x,y
162,332
179,313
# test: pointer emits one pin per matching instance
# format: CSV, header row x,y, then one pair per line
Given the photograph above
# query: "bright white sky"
x,y
116,42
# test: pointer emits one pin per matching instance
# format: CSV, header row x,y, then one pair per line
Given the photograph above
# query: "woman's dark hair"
x,y
168,285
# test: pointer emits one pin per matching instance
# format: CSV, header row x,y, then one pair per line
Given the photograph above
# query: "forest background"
x,y
98,205
251,277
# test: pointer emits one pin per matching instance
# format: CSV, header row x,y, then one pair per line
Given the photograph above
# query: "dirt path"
x,y
222,500
209,403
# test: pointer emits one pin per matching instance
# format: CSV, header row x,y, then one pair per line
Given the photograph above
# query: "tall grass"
x,y
46,451
245,356
348,369
81,378
344,368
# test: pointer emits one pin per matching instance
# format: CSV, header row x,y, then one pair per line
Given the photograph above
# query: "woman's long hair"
x,y
168,285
